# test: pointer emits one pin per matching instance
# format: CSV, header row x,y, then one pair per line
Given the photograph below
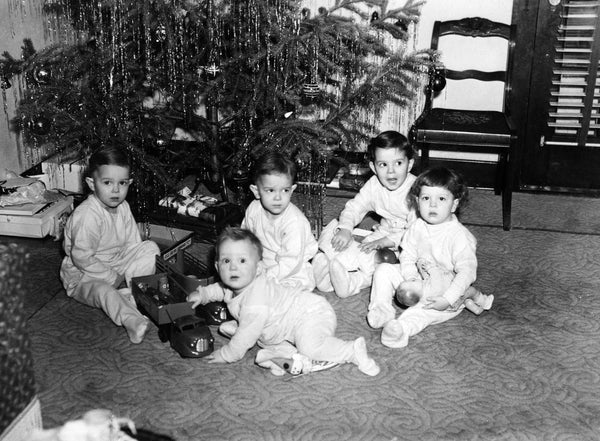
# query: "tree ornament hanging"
x,y
310,90
438,81
42,75
40,125
305,13
374,16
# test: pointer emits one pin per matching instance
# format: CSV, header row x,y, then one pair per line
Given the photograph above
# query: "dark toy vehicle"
x,y
190,337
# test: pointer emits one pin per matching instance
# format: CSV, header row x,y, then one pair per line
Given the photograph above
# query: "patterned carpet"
x,y
529,369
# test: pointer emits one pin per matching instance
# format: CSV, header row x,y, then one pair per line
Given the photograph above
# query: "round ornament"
x,y
40,125
310,90
439,80
374,16
42,74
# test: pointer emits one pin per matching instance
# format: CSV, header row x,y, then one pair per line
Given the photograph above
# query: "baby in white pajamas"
x,y
282,320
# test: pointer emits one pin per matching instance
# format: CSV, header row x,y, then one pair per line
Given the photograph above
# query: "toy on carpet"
x,y
98,425
385,255
301,365
434,283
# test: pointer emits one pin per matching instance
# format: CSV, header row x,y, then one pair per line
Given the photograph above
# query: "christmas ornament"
x,y
161,33
211,71
42,74
305,13
5,84
40,125
310,90
438,81
374,16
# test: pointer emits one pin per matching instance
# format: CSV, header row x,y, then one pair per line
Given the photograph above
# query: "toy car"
x,y
190,337
214,313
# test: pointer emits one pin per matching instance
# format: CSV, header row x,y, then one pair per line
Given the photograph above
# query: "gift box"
x,y
49,220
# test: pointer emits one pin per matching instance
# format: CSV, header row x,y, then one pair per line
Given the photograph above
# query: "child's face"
x,y
391,166
274,192
238,263
110,184
436,204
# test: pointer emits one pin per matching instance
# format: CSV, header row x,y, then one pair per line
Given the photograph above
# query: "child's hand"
x,y
438,303
384,242
215,357
196,298
341,240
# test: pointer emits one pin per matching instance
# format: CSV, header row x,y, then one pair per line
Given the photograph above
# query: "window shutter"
x,y
574,117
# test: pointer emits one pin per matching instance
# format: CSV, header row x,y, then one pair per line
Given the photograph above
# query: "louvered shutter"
x,y
573,117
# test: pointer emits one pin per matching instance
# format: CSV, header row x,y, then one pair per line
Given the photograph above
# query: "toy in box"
x,y
189,272
164,301
170,240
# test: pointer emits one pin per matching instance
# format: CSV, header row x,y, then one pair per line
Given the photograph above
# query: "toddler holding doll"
x,y
345,265
438,263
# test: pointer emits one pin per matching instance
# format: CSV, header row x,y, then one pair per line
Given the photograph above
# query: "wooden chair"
x,y
473,131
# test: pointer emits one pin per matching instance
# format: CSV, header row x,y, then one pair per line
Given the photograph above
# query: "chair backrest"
x,y
487,62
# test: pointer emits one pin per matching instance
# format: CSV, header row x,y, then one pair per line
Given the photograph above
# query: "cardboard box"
x,y
66,176
187,271
48,221
146,291
170,240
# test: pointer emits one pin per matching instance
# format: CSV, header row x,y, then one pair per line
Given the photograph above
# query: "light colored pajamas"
x,y
395,214
281,319
288,244
103,249
449,246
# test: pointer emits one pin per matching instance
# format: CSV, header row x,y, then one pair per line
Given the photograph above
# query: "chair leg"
x,y
424,157
507,190
506,209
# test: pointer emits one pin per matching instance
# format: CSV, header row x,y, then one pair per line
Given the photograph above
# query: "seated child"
x,y
345,265
103,245
283,230
282,320
438,262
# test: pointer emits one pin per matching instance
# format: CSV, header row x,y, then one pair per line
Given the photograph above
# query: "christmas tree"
x,y
207,85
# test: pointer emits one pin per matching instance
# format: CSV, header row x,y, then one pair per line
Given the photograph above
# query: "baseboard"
x,y
22,426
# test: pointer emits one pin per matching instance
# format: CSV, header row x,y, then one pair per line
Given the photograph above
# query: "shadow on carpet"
x,y
527,369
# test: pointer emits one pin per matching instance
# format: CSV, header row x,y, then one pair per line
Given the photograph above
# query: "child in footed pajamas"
x,y
285,321
345,265
438,262
103,245
282,228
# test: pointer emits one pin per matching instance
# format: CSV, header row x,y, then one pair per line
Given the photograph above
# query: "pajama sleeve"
x,y
251,323
86,237
465,268
357,208
408,256
290,257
